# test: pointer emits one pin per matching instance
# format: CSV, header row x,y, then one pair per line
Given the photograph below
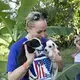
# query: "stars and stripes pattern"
x,y
42,67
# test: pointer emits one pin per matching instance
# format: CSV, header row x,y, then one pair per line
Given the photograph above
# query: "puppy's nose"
x,y
45,50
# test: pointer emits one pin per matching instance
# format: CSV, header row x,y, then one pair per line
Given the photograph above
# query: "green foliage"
x,y
66,55
57,30
61,12
12,29
3,66
3,75
24,9
3,6
69,72
3,15
4,49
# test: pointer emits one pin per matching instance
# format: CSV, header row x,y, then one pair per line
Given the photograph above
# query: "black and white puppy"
x,y
32,45
50,44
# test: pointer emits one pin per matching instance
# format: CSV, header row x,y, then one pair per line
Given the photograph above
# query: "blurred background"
x,y
63,18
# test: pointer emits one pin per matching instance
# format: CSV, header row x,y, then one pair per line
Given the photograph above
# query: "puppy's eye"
x,y
50,46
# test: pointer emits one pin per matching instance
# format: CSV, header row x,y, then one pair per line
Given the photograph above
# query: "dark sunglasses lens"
x,y
36,17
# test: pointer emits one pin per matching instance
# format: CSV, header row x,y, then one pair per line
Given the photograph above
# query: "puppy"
x,y
49,46
32,46
49,52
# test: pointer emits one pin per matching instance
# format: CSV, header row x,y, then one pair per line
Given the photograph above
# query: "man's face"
x,y
39,29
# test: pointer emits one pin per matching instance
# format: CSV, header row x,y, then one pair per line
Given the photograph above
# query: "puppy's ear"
x,y
53,44
28,43
34,43
31,43
29,47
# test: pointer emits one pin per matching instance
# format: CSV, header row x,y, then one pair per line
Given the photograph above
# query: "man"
x,y
36,66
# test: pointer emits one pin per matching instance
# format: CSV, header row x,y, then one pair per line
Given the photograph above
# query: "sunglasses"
x,y
36,17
